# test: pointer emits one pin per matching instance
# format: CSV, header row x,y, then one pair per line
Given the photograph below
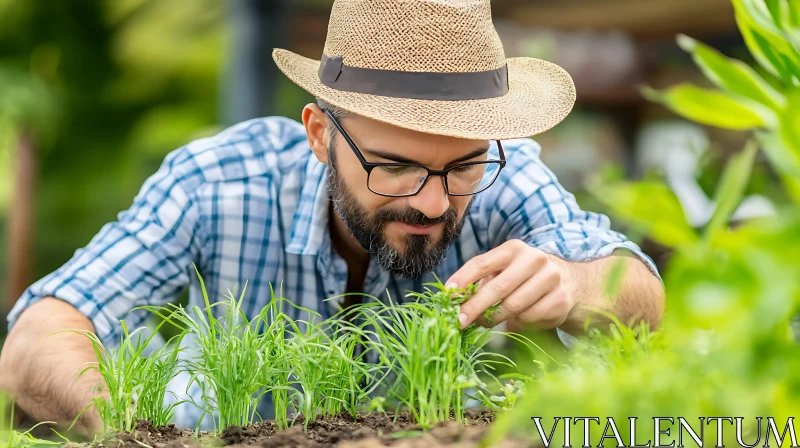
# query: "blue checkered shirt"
x,y
251,205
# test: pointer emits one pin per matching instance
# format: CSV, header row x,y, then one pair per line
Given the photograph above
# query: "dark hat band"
x,y
415,85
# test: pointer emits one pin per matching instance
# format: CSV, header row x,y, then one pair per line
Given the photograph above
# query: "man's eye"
x,y
394,169
463,169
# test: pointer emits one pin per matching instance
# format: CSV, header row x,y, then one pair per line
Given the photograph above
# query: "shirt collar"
x,y
310,222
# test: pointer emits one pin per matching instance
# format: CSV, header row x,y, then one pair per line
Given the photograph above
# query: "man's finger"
x,y
500,287
545,314
527,295
482,265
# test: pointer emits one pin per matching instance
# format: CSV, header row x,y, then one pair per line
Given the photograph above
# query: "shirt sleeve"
x,y
532,206
143,258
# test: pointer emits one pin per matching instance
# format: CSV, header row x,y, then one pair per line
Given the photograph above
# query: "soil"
x,y
367,431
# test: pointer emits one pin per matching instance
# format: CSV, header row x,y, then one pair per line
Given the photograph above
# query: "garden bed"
x,y
368,430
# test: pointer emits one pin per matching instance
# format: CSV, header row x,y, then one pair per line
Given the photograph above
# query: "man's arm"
x,y
143,258
40,371
638,295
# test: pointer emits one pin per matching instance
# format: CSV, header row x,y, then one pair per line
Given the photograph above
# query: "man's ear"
x,y
316,123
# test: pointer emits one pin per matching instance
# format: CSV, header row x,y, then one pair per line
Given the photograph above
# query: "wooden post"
x,y
20,221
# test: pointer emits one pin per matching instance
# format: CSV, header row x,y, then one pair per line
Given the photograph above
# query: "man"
x,y
409,165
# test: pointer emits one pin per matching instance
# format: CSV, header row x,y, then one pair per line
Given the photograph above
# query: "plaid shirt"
x,y
251,205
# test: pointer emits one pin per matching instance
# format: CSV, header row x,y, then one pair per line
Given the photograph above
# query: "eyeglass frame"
x,y
369,166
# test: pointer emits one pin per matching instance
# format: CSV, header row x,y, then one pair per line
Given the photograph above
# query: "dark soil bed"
x,y
367,431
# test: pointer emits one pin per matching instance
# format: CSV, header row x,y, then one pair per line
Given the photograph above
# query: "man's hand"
x,y
531,286
539,290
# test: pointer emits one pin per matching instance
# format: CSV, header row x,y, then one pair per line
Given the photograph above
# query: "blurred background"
x,y
94,94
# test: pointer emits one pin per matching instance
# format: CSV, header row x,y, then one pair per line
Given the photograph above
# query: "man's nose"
x,y
432,200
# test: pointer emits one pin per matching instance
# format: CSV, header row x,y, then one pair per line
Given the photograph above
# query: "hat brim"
x,y
541,94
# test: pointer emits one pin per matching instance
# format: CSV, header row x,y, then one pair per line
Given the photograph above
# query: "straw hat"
x,y
434,66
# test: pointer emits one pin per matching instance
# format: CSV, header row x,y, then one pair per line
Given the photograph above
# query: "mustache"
x,y
415,217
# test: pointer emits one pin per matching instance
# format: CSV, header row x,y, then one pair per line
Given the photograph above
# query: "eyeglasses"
x,y
407,179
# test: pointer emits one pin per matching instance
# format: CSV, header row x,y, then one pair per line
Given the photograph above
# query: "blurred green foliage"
x,y
107,88
726,346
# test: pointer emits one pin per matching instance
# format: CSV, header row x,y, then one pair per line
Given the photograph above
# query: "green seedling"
x,y
434,362
276,376
333,377
133,385
239,361
157,370
11,438
231,362
376,405
508,394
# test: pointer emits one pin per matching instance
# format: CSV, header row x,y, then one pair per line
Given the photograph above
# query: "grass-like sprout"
x,y
16,439
231,361
308,352
134,385
353,378
11,438
157,370
276,375
333,377
433,360
239,361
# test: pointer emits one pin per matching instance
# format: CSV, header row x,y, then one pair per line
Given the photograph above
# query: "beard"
x,y
420,253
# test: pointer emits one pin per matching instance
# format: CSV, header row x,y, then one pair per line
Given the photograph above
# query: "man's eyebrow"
x,y
401,159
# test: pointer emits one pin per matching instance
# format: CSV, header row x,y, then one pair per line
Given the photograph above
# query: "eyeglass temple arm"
x,y
347,138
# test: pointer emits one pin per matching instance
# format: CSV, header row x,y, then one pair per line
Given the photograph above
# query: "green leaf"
x,y
762,51
776,9
790,123
714,108
731,188
787,17
783,147
794,14
650,208
614,279
758,16
731,74
785,162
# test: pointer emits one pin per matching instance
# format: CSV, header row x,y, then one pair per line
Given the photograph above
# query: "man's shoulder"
x,y
521,150
523,174
261,147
